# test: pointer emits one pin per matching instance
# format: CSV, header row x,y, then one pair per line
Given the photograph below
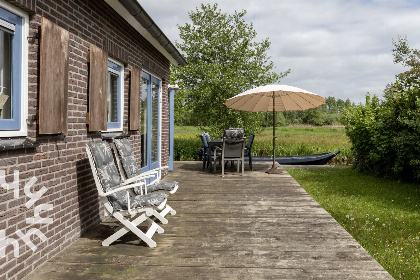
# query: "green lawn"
x,y
382,215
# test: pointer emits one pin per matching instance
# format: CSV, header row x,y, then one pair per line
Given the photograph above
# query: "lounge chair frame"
x,y
141,179
130,218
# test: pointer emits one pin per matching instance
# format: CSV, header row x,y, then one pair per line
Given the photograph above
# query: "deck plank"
x,y
256,226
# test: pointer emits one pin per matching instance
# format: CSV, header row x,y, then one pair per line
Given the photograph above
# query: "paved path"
x,y
256,226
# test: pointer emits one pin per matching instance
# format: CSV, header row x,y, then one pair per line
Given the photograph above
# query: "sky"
x,y
339,48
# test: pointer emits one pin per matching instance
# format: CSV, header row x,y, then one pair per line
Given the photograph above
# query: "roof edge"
x,y
136,16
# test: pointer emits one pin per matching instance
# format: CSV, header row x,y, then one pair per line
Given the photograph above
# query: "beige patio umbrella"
x,y
274,98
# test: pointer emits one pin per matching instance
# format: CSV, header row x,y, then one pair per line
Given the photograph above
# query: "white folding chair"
x,y
120,201
130,173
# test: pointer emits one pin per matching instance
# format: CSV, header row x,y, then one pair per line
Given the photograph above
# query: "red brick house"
x,y
72,71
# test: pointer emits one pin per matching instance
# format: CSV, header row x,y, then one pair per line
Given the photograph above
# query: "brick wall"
x,y
63,168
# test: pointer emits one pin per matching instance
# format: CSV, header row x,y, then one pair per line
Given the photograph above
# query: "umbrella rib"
x,y
289,99
281,103
236,100
301,108
255,103
303,96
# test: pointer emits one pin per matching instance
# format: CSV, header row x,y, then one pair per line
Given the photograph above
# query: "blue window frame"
x,y
150,122
13,91
172,92
115,95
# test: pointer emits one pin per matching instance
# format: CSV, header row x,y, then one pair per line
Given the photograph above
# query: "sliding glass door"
x,y
150,126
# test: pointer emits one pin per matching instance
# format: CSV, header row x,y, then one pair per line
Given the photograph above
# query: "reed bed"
x,y
302,140
290,140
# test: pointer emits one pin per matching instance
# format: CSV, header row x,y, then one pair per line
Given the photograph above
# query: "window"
x,y
5,70
106,92
13,70
150,121
115,95
144,121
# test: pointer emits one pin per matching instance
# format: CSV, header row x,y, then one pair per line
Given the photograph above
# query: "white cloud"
x,y
340,48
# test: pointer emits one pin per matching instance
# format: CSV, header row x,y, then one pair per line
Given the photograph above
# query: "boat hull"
x,y
315,159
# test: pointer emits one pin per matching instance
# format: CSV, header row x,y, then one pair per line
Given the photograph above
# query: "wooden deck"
x,y
256,226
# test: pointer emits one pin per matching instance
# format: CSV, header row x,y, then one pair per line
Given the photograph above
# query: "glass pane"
x,y
143,118
112,97
5,75
155,98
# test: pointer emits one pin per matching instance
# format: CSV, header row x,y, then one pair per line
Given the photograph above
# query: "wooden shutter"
x,y
135,82
53,89
98,88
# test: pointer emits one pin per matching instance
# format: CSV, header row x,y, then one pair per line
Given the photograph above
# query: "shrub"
x,y
185,147
385,134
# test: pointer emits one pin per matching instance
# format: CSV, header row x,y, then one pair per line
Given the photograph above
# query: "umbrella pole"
x,y
274,133
273,169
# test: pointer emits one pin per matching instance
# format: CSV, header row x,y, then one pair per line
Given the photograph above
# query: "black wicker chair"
x,y
248,150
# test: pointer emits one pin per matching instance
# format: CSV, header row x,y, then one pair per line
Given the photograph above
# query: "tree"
x,y
385,132
223,60
408,57
329,113
331,105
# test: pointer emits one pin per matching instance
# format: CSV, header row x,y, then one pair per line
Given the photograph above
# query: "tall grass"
x,y
290,140
186,142
302,140
382,215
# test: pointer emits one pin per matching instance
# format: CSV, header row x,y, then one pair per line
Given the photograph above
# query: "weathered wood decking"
x,y
258,226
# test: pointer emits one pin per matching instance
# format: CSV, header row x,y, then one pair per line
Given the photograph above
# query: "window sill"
x,y
17,143
112,135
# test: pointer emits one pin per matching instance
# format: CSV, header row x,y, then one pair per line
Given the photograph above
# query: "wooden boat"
x,y
315,159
